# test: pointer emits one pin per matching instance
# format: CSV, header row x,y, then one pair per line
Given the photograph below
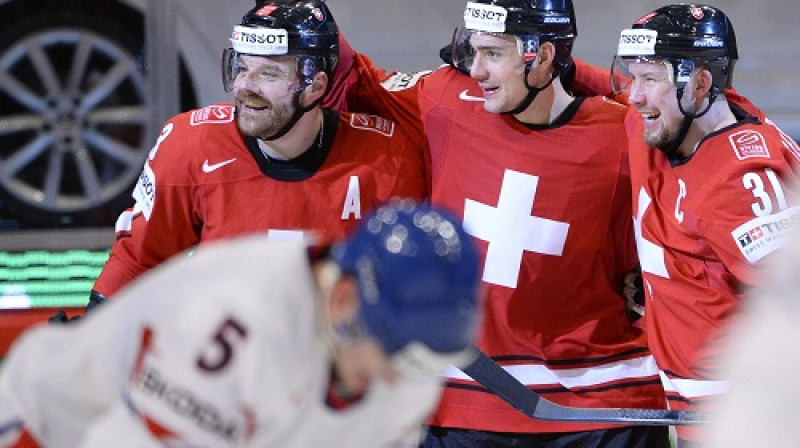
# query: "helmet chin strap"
x,y
299,111
671,150
532,91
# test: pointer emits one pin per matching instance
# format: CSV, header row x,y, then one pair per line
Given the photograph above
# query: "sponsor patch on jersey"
x,y
145,191
184,402
372,123
761,236
212,115
749,144
402,81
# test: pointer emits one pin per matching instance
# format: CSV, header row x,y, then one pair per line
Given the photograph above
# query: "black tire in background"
x,y
73,113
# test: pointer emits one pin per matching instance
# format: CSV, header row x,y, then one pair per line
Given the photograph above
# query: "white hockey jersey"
x,y
218,349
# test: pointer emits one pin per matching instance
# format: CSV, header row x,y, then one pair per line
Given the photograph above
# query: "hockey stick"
x,y
487,372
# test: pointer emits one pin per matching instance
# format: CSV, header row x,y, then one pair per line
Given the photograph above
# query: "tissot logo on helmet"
x,y
253,38
482,17
637,42
697,13
260,41
639,39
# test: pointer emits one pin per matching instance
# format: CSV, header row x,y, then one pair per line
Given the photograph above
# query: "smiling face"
x,y
499,69
263,88
654,96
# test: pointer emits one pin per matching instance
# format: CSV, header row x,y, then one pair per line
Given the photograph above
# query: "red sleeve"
x,y
624,235
733,97
148,235
360,86
344,77
739,204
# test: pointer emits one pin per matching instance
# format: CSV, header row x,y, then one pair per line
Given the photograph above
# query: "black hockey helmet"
x,y
688,36
304,28
532,21
684,38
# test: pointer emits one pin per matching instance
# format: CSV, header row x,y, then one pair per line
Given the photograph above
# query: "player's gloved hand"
x,y
95,299
633,291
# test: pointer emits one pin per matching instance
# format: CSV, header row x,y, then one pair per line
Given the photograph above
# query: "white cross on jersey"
x,y
651,255
511,230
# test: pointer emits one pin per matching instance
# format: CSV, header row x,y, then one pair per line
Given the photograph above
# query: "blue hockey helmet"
x,y
418,278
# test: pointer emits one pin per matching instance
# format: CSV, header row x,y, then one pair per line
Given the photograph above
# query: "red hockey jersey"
x,y
701,226
204,181
549,207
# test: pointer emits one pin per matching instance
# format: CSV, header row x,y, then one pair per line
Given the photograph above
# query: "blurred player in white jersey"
x,y
761,408
256,343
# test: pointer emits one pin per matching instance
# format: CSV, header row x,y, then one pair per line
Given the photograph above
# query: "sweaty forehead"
x,y
648,67
480,40
285,62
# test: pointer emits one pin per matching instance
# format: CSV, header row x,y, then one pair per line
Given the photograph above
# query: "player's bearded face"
x,y
654,96
263,90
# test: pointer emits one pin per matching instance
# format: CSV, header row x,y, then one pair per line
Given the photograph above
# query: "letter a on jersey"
x,y
352,203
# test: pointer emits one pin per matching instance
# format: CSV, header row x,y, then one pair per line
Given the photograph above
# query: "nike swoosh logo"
x,y
464,96
209,168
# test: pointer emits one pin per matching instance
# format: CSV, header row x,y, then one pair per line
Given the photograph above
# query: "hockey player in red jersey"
x,y
274,161
709,185
541,180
